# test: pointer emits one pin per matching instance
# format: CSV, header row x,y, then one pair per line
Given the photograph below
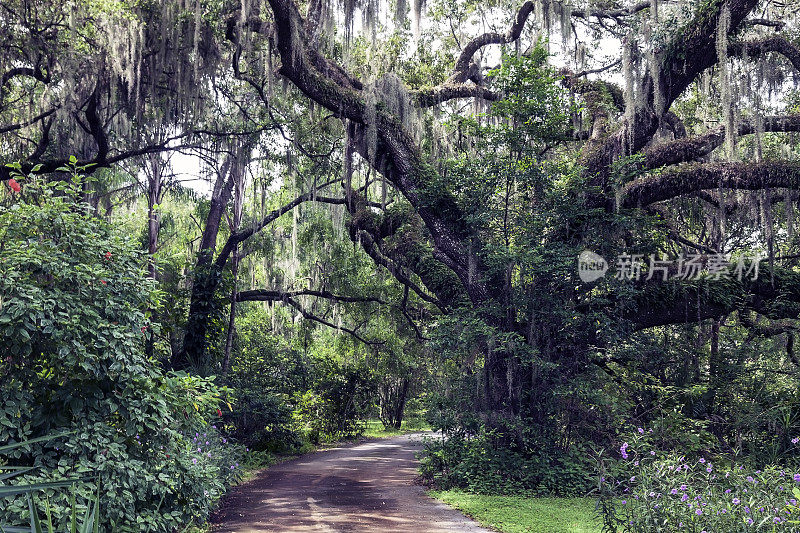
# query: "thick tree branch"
x,y
691,149
775,43
264,295
443,93
691,51
462,67
689,178
774,294
394,153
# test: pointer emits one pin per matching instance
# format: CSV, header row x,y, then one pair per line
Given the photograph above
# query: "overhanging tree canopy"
x,y
682,108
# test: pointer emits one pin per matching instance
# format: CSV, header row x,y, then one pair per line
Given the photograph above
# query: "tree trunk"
x,y
206,277
238,202
155,183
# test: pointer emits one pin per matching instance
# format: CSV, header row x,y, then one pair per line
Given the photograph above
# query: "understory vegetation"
x,y
559,234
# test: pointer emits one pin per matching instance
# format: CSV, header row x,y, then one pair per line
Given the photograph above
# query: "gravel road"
x,y
364,487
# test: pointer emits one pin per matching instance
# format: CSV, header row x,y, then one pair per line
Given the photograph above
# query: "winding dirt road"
x,y
366,487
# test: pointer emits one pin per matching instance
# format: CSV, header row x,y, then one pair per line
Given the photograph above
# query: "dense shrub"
x,y
265,372
74,305
486,465
340,399
289,389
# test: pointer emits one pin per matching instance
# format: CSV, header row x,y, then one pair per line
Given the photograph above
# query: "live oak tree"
x,y
473,168
664,55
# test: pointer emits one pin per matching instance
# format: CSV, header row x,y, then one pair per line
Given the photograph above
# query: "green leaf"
x,y
9,447
11,490
36,527
50,527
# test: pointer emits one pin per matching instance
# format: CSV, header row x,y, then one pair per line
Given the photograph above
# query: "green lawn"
x,y
374,428
517,514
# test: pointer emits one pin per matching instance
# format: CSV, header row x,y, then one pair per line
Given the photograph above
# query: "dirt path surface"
x,y
365,487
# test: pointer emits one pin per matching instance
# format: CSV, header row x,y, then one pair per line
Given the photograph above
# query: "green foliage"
x,y
488,464
340,400
657,491
288,387
265,374
532,99
74,301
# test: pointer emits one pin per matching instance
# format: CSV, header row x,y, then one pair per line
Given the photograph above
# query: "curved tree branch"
x,y
775,43
685,179
691,149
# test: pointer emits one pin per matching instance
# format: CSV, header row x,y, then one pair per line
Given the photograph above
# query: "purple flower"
x,y
698,512
735,501
194,460
797,477
623,502
795,440
641,431
702,460
684,498
674,491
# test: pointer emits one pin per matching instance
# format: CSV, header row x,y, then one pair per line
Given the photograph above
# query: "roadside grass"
x,y
374,428
519,514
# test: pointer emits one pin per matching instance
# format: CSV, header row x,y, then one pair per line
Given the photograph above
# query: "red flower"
x,y
219,413
108,256
144,328
16,187
103,281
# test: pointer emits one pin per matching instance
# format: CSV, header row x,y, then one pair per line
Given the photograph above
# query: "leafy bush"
x,y
648,490
74,305
338,403
265,372
484,465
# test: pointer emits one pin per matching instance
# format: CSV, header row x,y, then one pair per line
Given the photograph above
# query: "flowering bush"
x,y
650,491
74,301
